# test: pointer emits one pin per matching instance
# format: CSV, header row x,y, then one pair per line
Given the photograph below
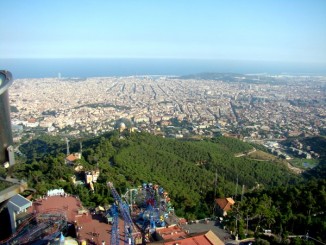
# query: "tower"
x,y
68,151
7,154
81,147
6,141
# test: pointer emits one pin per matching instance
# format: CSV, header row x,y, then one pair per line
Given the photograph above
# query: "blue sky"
x,y
275,30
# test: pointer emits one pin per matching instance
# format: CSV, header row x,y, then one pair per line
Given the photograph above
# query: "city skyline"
x,y
272,31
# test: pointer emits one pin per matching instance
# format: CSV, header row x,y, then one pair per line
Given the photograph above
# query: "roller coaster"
x,y
46,225
115,225
130,230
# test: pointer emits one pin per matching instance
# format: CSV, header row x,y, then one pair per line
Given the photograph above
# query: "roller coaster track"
x,y
36,225
124,210
115,236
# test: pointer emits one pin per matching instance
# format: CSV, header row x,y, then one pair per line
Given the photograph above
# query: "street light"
x,y
6,141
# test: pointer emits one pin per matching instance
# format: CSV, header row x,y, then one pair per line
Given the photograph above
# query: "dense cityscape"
x,y
265,107
255,108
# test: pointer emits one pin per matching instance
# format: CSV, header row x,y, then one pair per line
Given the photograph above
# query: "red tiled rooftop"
x,y
172,232
206,238
31,120
169,229
175,235
225,203
190,241
91,224
71,158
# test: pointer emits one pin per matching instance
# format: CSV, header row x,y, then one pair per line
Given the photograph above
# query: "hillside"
x,y
186,169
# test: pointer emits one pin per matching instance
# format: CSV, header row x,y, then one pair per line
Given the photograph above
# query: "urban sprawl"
x,y
259,108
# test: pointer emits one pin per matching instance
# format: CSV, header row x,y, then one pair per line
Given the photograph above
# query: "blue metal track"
x,y
124,209
115,236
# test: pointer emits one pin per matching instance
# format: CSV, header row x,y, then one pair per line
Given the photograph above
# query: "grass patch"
x,y
304,163
260,155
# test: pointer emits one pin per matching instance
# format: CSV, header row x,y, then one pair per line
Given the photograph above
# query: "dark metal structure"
x,y
39,226
6,142
131,231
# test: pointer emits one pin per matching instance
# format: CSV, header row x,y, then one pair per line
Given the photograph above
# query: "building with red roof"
x,y
223,205
204,238
175,235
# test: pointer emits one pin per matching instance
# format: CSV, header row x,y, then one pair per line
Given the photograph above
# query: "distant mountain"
x,y
231,77
234,77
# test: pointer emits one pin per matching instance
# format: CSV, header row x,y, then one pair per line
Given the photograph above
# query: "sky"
x,y
254,30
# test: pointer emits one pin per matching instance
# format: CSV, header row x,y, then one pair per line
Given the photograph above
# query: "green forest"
x,y
267,194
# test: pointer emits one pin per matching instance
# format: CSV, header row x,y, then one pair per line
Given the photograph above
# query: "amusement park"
x,y
143,215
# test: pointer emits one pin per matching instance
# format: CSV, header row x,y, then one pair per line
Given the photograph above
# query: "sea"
x,y
83,68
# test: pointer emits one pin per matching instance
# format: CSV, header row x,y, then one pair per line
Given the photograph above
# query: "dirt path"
x,y
294,169
245,154
291,167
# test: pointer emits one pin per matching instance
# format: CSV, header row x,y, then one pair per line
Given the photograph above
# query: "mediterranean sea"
x,y
40,68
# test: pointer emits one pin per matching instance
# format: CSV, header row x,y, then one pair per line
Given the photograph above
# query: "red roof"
x,y
182,221
225,203
206,238
31,120
71,158
176,235
90,223
171,232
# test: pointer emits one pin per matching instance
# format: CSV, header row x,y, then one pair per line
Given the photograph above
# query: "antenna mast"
x,y
68,152
243,186
215,184
81,147
236,188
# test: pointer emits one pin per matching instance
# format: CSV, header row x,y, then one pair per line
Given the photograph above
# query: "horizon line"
x,y
163,58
